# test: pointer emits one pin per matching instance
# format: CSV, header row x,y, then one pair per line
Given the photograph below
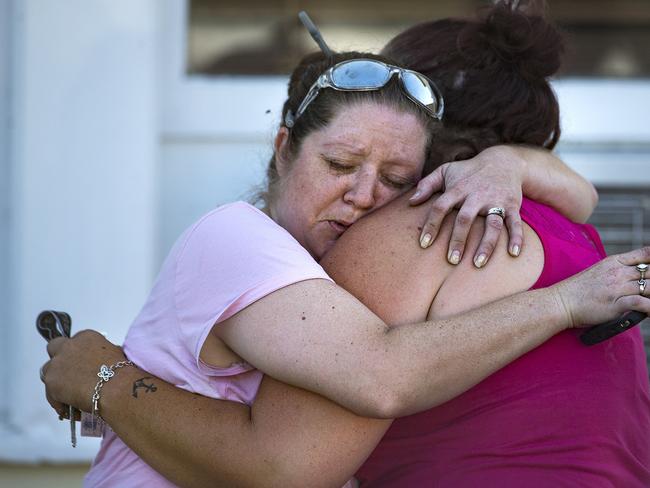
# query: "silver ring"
x,y
500,211
642,268
41,373
642,284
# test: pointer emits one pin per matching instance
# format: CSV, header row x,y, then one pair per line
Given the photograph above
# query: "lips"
x,y
339,226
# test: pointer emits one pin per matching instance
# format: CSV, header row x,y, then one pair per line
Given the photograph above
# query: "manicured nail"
x,y
479,261
425,241
415,195
454,257
515,250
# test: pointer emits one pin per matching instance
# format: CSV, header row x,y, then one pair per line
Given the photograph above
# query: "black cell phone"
x,y
607,330
51,324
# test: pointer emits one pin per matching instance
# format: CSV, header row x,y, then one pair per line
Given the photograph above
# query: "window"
x,y
265,37
623,218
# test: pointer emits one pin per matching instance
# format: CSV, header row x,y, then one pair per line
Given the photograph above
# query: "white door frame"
x,y
5,199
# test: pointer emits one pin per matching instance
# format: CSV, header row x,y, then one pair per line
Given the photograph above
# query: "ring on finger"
x,y
500,211
642,285
642,268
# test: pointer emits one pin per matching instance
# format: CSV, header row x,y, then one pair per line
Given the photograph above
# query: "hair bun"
x,y
520,37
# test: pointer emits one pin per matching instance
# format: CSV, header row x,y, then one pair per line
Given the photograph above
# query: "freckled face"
x,y
368,155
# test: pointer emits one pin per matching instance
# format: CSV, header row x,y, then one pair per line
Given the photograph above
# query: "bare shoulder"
x,y
379,260
467,287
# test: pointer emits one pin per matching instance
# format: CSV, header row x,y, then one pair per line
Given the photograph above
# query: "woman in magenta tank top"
x,y
564,414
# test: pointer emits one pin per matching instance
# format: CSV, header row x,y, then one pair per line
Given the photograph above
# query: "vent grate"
x,y
623,221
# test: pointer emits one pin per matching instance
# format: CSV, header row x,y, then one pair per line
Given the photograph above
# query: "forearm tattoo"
x,y
137,384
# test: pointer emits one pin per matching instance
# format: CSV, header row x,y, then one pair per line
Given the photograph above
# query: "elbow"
x,y
401,402
296,474
394,407
594,199
265,473
391,388
409,402
383,407
386,401
590,204
375,399
262,468
393,396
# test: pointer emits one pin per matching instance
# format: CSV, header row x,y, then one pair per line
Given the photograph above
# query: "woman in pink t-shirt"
x,y
332,158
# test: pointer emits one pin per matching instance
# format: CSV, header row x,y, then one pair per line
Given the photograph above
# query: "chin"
x,y
323,249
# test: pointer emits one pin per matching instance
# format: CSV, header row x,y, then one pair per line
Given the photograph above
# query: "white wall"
x,y
198,176
5,299
605,130
83,141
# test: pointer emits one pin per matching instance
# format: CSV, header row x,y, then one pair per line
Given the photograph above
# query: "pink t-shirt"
x,y
563,415
230,258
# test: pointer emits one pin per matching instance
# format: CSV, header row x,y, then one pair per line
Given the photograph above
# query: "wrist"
x,y
519,158
515,159
109,394
561,307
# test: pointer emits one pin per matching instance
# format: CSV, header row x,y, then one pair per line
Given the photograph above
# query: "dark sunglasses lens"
x,y
420,89
360,74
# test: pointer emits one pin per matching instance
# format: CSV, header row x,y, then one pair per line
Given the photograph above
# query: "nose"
x,y
362,192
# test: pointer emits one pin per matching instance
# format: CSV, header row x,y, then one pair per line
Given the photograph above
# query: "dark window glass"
x,y
261,37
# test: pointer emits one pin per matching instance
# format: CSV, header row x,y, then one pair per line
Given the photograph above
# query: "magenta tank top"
x,y
563,415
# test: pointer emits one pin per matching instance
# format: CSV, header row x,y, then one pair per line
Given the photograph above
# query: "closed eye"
x,y
397,182
392,181
339,167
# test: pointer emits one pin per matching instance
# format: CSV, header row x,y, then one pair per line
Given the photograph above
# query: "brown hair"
x,y
493,72
328,102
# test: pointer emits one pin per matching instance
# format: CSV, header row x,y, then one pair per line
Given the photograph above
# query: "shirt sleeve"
x,y
229,259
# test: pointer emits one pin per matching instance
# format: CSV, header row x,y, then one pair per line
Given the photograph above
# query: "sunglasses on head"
x,y
367,75
370,75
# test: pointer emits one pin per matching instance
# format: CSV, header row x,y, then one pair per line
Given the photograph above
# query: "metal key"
x,y
51,324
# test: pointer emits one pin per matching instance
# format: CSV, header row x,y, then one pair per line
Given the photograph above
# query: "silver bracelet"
x,y
105,373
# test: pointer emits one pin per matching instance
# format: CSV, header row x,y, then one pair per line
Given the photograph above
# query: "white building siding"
x,y
196,176
82,225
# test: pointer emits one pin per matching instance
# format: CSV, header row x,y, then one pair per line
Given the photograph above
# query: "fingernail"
x,y
425,241
479,261
454,257
515,250
415,195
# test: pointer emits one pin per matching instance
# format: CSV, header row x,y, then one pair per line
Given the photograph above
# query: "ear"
x,y
281,146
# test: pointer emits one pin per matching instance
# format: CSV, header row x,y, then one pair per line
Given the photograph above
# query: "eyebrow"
x,y
355,149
